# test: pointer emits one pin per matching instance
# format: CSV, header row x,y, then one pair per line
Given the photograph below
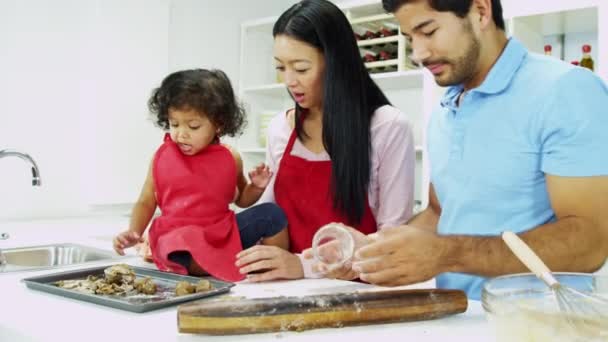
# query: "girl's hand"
x,y
260,176
124,240
144,251
263,263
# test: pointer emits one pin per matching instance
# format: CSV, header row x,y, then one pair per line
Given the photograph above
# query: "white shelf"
x,y
260,150
378,64
409,79
562,22
377,41
565,30
273,89
372,18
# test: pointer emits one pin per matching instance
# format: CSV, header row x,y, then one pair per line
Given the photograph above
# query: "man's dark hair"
x,y
459,7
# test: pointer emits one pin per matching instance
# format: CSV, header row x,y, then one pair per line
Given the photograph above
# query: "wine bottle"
x,y
587,61
385,55
369,57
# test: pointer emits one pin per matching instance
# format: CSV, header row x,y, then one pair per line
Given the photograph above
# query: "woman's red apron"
x,y
302,190
194,193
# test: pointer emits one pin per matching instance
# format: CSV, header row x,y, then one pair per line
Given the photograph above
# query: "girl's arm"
x,y
249,193
142,213
144,208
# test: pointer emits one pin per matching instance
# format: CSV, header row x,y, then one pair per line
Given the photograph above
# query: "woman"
x,y
343,154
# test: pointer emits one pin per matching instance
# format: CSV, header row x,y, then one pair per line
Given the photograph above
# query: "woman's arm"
x,y
395,156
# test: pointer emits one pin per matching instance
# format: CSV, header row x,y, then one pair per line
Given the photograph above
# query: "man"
x,y
518,143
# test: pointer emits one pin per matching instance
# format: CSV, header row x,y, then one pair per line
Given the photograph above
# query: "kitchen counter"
x,y
29,315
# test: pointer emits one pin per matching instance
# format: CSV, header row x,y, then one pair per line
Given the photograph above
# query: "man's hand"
x,y
402,255
345,271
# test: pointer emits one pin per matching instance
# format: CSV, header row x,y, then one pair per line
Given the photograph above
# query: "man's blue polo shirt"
x,y
533,115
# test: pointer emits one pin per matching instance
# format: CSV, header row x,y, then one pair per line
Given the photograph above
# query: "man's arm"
x,y
576,242
428,219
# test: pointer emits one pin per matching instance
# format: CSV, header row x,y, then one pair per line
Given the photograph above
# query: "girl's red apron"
x,y
302,190
193,193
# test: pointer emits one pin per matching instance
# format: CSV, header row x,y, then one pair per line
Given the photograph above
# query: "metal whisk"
x,y
586,314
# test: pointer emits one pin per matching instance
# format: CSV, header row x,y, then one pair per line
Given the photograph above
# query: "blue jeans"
x,y
255,223
259,222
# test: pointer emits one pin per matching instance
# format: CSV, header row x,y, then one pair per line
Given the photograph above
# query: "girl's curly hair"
x,y
209,92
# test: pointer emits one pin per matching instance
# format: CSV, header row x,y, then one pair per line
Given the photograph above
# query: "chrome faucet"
x,y
35,182
3,236
27,158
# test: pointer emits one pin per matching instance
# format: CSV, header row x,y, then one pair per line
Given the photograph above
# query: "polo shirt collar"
x,y
499,77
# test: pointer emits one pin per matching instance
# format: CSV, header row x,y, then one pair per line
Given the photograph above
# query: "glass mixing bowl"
x,y
521,307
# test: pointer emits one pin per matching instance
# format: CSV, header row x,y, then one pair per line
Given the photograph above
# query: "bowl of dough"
x,y
520,307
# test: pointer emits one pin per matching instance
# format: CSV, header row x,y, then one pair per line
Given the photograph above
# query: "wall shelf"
x,y
273,89
378,64
373,18
409,79
378,41
260,150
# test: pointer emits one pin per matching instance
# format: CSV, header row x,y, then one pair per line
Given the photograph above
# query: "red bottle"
x,y
370,35
368,57
385,55
587,61
548,49
384,32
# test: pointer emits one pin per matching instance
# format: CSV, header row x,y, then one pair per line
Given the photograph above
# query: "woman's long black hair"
x,y
350,98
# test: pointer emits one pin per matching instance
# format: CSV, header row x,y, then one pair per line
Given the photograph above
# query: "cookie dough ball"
x,y
119,274
184,288
203,285
145,285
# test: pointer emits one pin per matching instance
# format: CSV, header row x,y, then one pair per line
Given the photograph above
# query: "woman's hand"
x,y
124,240
263,263
260,176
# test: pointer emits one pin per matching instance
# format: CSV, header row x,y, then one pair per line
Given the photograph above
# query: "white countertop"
x,y
29,315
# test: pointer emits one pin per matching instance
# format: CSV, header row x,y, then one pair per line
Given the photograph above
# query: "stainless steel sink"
x,y
51,256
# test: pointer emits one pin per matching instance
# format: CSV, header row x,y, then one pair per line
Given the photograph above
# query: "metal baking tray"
x,y
164,297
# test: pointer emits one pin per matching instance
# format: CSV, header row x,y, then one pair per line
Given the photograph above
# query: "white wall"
x,y
75,78
206,33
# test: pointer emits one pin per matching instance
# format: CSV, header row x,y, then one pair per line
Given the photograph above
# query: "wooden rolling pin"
x,y
246,316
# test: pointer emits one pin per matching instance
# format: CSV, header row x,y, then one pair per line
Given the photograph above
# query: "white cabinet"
x,y
409,89
565,25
